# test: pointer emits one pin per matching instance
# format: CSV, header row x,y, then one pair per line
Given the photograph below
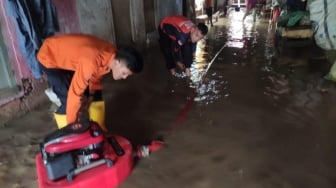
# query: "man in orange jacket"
x,y
178,37
74,65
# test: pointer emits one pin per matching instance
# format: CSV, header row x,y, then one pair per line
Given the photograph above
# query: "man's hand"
x,y
86,102
88,99
187,72
173,72
180,65
83,112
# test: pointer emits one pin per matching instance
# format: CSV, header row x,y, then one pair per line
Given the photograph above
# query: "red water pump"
x,y
80,155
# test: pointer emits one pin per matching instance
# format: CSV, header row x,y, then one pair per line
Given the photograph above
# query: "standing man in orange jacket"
x,y
75,64
178,35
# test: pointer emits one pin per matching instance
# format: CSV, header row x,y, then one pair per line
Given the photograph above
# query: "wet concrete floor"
x,y
252,116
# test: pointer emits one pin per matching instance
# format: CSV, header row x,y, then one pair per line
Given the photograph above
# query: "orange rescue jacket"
x,y
182,24
86,55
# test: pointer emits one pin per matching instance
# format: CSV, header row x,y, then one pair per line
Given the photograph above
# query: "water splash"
x,y
211,89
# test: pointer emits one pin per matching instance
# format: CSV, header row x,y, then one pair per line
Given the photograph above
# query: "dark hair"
x,y
203,28
133,58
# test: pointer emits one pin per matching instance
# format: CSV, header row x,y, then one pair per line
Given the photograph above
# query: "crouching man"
x,y
178,37
75,64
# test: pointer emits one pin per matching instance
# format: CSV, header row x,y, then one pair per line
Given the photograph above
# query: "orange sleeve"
x,y
95,84
45,54
79,83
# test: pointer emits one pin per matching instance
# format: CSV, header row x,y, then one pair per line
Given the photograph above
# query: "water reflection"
x,y
269,44
264,84
276,83
208,87
211,90
240,36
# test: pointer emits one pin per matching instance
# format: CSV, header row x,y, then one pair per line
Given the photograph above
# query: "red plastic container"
x,y
101,176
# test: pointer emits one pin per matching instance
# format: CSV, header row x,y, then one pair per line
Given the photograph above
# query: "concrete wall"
x,y
155,10
167,7
122,21
138,23
149,9
189,9
85,16
96,18
67,16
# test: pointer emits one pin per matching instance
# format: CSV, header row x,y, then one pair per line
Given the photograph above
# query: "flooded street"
x,y
252,115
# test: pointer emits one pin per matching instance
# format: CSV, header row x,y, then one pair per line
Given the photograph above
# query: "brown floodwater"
x,y
252,115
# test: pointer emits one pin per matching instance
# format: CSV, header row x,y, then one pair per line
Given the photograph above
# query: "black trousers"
x,y
59,80
167,46
208,11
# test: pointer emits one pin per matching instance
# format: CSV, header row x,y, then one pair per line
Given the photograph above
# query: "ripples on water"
x,y
248,46
208,87
238,35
